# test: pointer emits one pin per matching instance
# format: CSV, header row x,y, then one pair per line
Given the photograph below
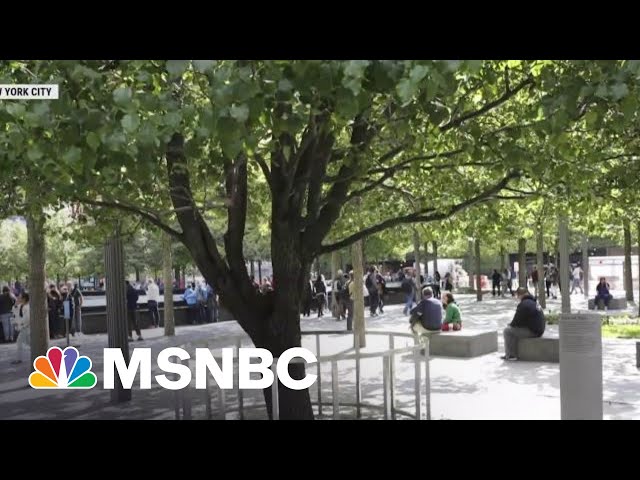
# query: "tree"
x,y
305,138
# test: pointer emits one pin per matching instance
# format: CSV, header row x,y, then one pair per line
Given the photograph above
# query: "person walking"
x,y
408,289
54,305
153,298
577,279
7,301
21,324
78,300
496,278
132,311
320,290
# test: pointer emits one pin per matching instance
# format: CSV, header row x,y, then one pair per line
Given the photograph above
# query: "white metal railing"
x,y
183,398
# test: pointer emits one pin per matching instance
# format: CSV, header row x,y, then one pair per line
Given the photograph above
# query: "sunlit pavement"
x,y
480,388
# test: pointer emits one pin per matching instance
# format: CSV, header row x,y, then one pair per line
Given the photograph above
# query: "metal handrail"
x,y
388,373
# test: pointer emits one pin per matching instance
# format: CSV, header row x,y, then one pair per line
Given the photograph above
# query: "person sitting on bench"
x,y
603,294
426,317
452,319
528,322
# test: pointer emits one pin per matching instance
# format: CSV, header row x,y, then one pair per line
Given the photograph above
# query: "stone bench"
x,y
614,304
541,349
463,343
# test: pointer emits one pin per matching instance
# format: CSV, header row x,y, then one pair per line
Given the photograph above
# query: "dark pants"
x,y
132,317
606,297
350,315
152,305
53,323
548,285
202,312
373,301
494,286
306,307
321,298
436,290
380,301
192,314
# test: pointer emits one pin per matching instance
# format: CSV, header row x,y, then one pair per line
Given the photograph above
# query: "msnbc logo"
x,y
62,369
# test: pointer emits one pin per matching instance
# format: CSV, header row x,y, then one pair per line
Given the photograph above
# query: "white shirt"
x,y
153,292
576,272
23,321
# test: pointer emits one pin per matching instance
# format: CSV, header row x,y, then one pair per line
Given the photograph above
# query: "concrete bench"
x,y
614,304
463,343
541,349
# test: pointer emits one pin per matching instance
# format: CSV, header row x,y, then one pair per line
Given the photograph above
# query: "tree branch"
x,y
263,165
150,217
456,122
423,215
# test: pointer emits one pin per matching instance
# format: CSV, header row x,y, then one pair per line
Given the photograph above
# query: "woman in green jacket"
x,y
452,319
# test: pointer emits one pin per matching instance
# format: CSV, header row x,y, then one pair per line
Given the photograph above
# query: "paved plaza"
x,y
484,387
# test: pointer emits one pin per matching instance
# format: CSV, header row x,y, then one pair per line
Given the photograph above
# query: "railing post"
x,y
392,381
335,390
385,385
416,378
319,373
358,390
427,378
186,399
275,403
240,394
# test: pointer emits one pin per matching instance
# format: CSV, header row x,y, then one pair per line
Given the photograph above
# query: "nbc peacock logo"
x,y
62,369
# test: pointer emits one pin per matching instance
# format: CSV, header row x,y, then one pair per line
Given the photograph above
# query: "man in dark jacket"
x,y
528,322
429,311
132,306
495,282
7,301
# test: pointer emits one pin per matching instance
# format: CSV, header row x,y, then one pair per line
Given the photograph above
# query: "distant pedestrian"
x,y
153,299
132,311
21,324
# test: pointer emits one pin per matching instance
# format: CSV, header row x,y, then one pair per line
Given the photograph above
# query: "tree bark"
x,y
472,283
359,327
628,274
177,274
426,259
434,245
117,327
137,274
168,317
542,297
260,271
38,299
638,267
522,261
252,268
502,264
478,276
334,274
416,256
585,265
563,233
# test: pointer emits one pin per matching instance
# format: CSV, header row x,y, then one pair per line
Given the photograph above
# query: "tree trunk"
x,y
334,274
168,318
359,333
563,233
522,262
260,271
117,323
502,264
585,265
542,297
252,269
177,273
478,276
434,245
628,274
426,260
472,283
280,330
137,274
416,256
38,299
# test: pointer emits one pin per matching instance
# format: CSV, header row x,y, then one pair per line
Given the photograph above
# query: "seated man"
x,y
426,317
603,294
528,322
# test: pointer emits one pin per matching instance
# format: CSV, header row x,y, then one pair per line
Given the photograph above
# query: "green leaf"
x,y
177,67
474,65
356,68
285,85
453,65
130,123
72,156
619,90
34,153
240,113
203,66
93,140
405,90
122,96
418,73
